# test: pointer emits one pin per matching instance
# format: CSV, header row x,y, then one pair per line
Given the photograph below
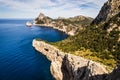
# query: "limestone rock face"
x,y
70,67
78,68
109,9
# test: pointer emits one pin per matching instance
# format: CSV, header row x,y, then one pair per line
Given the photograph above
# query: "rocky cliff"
x,y
68,25
70,67
110,9
108,20
42,19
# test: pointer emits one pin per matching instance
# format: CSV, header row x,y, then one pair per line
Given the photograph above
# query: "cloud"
x,y
55,8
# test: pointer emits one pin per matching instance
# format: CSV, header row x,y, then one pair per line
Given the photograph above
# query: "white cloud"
x,y
55,8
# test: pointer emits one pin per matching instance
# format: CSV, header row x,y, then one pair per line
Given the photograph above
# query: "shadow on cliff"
x,y
84,73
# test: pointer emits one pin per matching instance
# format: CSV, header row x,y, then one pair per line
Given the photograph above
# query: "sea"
x,y
18,59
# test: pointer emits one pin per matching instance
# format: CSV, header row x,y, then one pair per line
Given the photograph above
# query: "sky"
x,y
51,8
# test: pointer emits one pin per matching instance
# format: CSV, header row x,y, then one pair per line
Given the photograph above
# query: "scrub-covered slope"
x,y
70,26
99,42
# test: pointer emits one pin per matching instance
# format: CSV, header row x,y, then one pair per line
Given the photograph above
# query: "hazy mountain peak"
x,y
41,16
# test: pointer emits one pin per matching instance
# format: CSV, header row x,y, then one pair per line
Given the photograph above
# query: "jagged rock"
x,y
66,66
41,16
42,19
110,9
78,68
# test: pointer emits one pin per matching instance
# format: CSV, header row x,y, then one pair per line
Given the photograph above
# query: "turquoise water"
x,y
18,59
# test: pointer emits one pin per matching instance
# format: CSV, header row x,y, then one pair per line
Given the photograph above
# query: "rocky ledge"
x,y
66,66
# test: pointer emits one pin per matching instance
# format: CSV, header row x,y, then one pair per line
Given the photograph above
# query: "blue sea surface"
x,y
18,59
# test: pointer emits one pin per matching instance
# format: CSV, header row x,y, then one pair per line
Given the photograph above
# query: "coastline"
x,y
71,33
102,36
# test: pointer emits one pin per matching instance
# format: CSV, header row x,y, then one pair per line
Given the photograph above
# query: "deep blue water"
x,y
18,59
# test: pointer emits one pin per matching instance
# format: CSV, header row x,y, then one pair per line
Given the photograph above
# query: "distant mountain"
x,y
42,19
69,25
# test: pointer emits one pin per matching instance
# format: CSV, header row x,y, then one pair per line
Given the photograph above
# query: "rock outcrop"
x,y
110,9
28,24
68,25
42,19
70,67
41,16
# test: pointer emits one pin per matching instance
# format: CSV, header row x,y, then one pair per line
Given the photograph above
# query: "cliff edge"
x,y
66,66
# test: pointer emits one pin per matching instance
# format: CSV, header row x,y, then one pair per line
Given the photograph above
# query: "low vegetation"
x,y
95,43
67,24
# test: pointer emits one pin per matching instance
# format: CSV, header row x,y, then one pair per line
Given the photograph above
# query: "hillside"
x,y
109,9
98,42
70,25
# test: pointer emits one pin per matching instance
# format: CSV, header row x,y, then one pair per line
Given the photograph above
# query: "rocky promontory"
x,y
66,66
68,25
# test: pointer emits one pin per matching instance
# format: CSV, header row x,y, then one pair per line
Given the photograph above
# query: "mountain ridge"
x,y
70,26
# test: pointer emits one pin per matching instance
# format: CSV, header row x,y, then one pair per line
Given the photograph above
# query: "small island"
x,y
28,23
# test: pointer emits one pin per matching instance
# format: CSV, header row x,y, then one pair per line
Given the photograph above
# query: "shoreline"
x,y
52,26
